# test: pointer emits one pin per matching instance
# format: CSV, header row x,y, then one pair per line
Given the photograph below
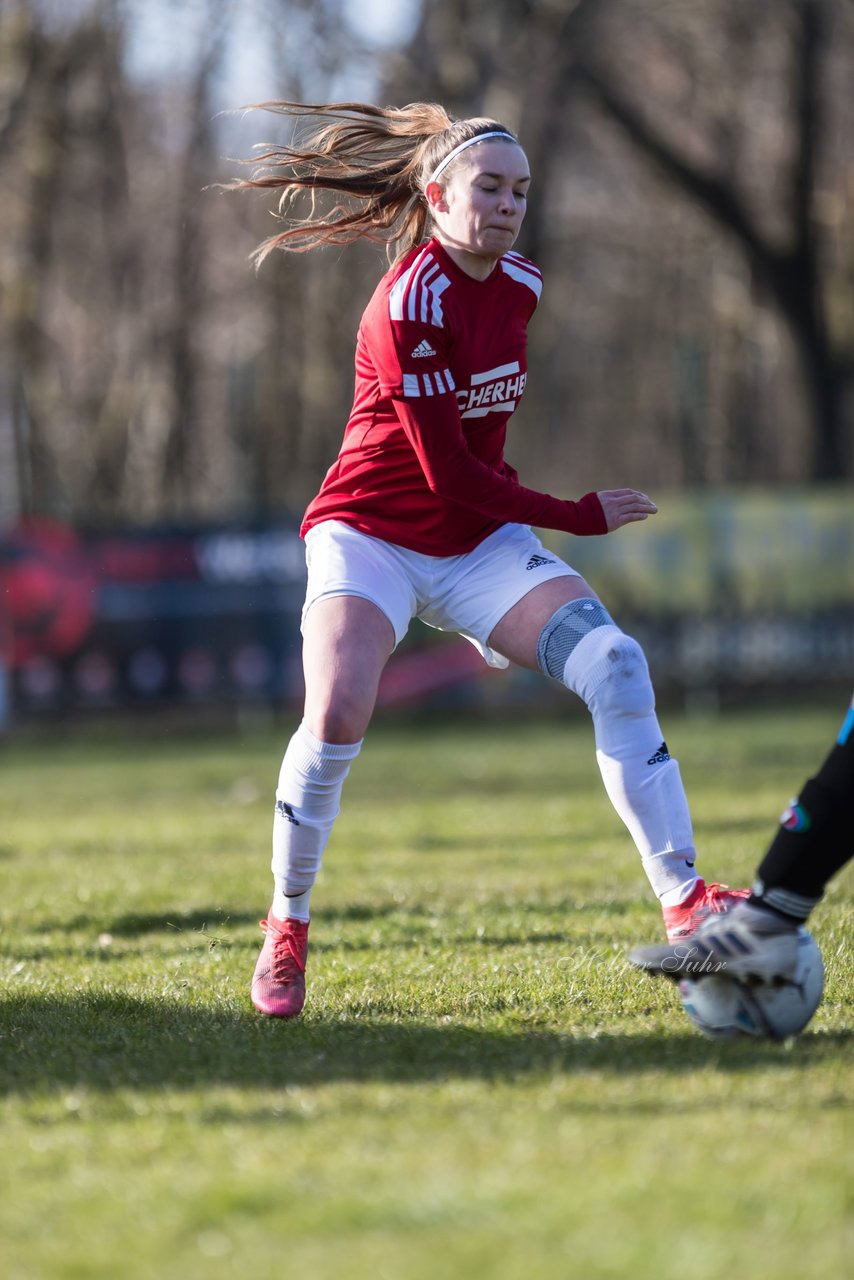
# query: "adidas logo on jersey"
x,y
423,349
661,756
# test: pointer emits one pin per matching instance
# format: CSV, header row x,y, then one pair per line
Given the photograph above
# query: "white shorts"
x,y
469,594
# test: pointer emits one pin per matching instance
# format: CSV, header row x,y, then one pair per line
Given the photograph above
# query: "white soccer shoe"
x,y
747,943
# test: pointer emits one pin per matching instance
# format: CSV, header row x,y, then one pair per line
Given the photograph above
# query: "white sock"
x,y
608,670
293,906
677,892
308,800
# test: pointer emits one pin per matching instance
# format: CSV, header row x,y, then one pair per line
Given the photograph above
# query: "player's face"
x,y
479,210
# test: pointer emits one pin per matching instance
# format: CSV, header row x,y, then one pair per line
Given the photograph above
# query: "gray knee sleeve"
x,y
564,630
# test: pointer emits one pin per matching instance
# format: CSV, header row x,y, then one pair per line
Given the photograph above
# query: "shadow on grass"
x,y
203,920
206,920
136,924
109,1041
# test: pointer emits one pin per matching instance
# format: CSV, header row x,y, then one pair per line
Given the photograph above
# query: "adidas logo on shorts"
x,y
536,562
423,349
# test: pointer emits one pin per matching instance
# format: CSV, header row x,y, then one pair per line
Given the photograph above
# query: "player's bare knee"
x,y
340,719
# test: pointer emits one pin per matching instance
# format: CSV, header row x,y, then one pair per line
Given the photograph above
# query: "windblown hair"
x,y
379,159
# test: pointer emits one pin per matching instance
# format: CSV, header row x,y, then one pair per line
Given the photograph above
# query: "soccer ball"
x,y
724,1009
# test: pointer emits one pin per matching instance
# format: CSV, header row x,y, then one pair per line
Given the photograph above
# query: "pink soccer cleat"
x,y
278,983
705,900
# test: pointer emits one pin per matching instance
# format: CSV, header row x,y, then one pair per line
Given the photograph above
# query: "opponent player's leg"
x,y
757,941
815,837
346,644
562,628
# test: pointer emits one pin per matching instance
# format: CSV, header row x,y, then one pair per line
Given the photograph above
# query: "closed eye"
x,y
520,195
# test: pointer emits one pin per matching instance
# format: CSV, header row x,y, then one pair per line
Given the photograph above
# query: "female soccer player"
x,y
421,516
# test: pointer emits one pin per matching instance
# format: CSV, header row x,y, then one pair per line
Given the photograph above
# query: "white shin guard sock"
x,y
608,670
308,800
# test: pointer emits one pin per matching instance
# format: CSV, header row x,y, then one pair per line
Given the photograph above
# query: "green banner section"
x,y
738,552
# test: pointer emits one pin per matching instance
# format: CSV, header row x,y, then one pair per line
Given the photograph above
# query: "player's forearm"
x,y
454,473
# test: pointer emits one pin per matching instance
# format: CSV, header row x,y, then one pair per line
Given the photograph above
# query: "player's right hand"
x,y
625,506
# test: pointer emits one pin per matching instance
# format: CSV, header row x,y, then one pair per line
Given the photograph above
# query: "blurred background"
x,y
166,412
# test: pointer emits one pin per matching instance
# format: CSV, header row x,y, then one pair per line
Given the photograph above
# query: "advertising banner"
x,y
149,616
739,592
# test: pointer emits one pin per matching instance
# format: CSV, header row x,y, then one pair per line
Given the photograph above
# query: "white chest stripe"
x,y
507,407
501,371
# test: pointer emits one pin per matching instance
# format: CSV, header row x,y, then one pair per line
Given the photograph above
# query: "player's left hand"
x,y
625,506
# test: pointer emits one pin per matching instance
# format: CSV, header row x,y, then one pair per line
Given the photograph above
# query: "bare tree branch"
x,y
714,193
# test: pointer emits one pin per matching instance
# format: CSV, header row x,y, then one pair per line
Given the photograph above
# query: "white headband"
x,y
470,142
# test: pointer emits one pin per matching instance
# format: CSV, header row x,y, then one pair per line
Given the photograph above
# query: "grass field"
x,y
479,1086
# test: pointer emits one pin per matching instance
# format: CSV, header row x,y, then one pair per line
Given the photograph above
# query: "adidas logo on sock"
x,y
537,562
423,349
661,755
284,810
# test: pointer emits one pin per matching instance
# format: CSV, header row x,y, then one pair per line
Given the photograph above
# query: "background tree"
x,y
691,210
788,246
737,106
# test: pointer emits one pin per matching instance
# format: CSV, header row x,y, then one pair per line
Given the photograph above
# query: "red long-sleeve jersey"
x,y
440,367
